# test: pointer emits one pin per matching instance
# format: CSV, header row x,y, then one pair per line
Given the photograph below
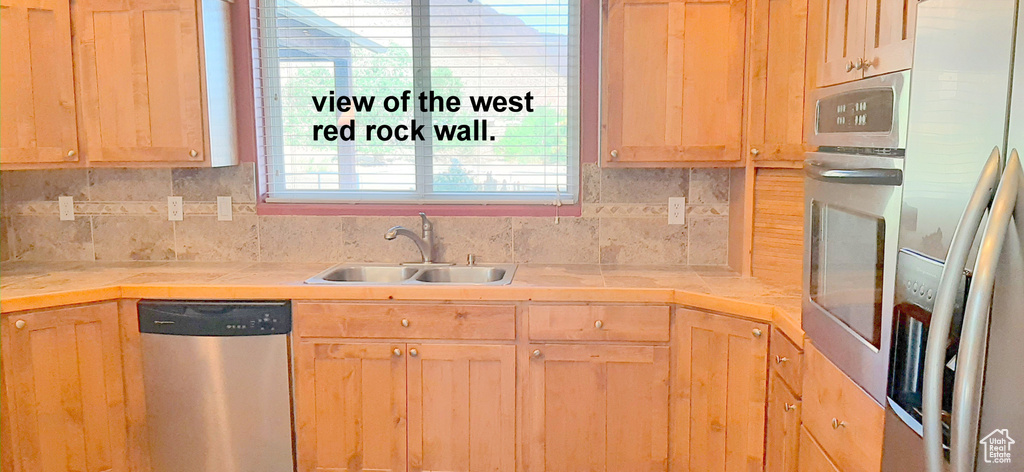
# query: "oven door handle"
x,y
862,176
970,357
942,313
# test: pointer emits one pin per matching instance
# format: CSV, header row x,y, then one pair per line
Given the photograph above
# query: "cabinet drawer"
x,y
812,458
783,432
843,418
787,360
405,321
599,323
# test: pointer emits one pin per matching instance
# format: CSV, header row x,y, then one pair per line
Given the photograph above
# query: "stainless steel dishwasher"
x,y
217,385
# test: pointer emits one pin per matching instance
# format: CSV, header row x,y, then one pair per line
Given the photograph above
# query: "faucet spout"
x,y
425,246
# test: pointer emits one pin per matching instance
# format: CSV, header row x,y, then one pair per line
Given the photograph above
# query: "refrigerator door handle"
x,y
973,341
942,313
861,176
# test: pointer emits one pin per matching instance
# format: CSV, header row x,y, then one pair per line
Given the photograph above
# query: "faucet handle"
x,y
427,224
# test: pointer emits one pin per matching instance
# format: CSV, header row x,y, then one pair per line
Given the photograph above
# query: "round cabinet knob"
x,y
615,153
19,324
780,360
413,352
536,353
836,424
789,407
599,324
757,332
193,153
863,64
754,151
397,352
71,153
850,66
405,323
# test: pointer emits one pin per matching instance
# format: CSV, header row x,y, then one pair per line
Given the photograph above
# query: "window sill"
x,y
375,209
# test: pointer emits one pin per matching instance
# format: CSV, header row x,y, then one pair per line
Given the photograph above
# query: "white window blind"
x,y
380,48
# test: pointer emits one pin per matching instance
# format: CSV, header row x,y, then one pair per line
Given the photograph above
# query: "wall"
x,y
122,216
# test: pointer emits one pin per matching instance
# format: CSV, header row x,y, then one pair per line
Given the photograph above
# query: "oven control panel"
x,y
857,111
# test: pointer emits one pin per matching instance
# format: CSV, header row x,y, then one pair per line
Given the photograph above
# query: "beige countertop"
x,y
29,285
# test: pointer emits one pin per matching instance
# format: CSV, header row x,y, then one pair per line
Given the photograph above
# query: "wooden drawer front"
x,y
783,437
812,458
840,416
599,323
405,321
787,360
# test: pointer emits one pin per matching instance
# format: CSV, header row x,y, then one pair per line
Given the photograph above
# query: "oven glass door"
x,y
852,212
846,267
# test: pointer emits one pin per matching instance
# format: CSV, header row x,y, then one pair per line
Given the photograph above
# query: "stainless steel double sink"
x,y
420,274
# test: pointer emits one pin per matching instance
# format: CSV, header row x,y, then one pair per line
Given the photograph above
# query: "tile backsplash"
x,y
121,215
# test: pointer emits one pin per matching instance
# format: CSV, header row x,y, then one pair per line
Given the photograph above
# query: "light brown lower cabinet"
x,y
350,409
627,402
461,407
65,390
783,432
812,456
718,392
595,407
389,406
842,418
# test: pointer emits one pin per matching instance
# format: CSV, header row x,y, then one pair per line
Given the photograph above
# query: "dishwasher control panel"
x,y
215,318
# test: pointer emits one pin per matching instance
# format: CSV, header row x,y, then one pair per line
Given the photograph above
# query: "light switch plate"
x,y
677,210
223,208
175,209
67,208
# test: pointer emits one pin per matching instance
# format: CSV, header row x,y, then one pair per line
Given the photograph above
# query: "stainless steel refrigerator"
x,y
955,397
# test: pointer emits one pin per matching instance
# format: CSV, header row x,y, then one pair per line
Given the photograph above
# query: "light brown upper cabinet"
x,y
778,80
132,74
138,69
673,75
37,89
863,38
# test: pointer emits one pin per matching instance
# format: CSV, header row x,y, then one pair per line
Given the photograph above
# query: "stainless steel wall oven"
x,y
853,190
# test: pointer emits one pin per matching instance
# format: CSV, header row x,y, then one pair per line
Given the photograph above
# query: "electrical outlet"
x,y
175,209
67,208
223,208
677,210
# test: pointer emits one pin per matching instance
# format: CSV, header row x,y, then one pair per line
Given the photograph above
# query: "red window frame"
x,y
244,44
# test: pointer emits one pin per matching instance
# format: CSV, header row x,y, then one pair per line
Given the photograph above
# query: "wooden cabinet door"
x,y
350,410
461,407
889,44
37,91
596,408
812,457
62,369
673,81
718,392
777,79
783,441
842,32
139,82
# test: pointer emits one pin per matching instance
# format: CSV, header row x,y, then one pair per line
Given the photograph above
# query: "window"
x,y
380,48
